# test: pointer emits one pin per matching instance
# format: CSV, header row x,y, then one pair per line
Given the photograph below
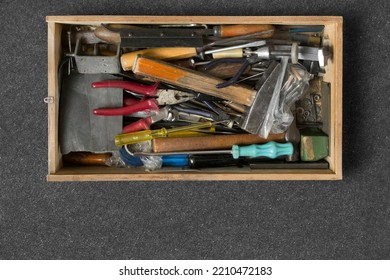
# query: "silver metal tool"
x,y
97,62
294,51
247,45
170,96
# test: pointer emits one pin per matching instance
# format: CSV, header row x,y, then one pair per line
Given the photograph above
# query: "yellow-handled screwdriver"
x,y
146,135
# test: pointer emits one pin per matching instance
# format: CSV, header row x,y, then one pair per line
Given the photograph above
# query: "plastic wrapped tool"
x,y
296,85
268,121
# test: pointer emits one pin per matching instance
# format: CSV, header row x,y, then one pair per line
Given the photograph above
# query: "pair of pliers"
x,y
164,97
161,97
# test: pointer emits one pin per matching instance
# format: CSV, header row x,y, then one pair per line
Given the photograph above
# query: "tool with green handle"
x,y
270,150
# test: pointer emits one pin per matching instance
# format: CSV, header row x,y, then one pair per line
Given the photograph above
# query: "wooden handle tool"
x,y
86,158
127,59
242,29
213,142
192,80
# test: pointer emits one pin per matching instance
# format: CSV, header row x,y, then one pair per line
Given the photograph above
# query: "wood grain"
x,y
212,142
192,80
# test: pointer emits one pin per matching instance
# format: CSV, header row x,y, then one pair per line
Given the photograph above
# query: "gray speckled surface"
x,y
347,219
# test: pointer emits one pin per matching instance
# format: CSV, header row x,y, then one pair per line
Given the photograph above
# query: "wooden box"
x,y
332,32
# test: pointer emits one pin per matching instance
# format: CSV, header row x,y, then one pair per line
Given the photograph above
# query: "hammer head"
x,y
253,117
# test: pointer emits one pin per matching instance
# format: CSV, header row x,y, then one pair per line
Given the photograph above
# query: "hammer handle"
x,y
192,80
214,142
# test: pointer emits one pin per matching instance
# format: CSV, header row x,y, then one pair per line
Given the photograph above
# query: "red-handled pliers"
x,y
163,114
164,97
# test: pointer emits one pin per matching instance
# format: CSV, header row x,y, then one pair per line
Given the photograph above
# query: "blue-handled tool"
x,y
168,160
175,160
270,150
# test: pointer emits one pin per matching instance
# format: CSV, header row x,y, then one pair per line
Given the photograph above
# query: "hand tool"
x,y
296,84
269,117
221,141
86,158
322,164
203,114
234,51
98,62
171,160
305,39
301,28
124,160
314,144
245,63
145,123
148,37
267,52
193,80
164,97
223,70
255,115
145,135
127,59
238,40
225,160
293,51
271,150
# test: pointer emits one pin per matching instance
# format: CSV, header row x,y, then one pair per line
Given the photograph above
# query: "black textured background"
x,y
346,219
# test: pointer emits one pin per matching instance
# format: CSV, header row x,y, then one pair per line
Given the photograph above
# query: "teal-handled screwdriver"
x,y
270,150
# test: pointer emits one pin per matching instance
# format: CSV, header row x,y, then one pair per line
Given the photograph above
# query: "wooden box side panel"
x,y
97,19
334,75
101,173
54,56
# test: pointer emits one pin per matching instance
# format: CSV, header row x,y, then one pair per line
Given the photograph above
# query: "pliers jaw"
x,y
170,97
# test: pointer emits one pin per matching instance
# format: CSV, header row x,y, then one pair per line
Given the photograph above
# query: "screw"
x,y
317,97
